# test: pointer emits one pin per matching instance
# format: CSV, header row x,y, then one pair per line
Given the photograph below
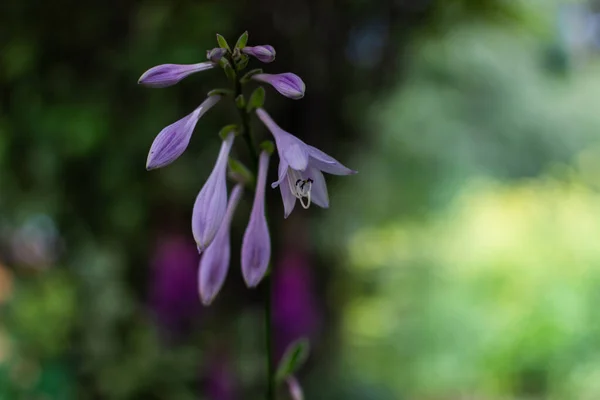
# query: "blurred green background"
x,y
462,262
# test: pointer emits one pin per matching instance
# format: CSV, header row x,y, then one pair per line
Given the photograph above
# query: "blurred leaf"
x,y
292,360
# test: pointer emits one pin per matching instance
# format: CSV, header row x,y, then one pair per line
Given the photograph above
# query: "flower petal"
x,y
288,84
318,193
291,149
326,163
169,74
172,141
281,174
211,203
288,198
264,53
256,245
214,264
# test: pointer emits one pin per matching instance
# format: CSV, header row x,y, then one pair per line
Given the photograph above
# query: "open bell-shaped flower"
x,y
211,203
214,263
288,84
301,168
170,74
264,53
256,245
172,141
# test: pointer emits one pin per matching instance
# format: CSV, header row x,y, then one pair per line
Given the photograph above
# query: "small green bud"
x,y
249,74
223,43
221,92
268,146
257,99
226,130
240,101
241,42
230,72
239,173
242,63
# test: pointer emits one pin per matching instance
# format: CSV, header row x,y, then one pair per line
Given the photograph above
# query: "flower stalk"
x,y
268,303
300,177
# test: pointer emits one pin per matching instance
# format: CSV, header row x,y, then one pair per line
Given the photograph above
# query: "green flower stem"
x,y
270,366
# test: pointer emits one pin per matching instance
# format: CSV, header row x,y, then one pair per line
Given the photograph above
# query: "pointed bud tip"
x,y
252,282
206,300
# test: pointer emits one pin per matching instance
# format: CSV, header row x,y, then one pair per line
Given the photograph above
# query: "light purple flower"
x,y
172,141
300,168
215,260
256,245
169,74
211,203
264,53
288,84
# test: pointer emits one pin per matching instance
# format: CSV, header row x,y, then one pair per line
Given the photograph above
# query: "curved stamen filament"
x,y
299,187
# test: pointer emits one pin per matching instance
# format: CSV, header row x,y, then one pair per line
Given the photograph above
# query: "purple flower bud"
x,y
172,141
256,245
288,84
264,53
211,203
169,74
295,389
216,54
215,260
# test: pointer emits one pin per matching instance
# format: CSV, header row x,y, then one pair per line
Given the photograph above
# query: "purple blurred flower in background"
x,y
295,310
173,291
172,141
256,245
300,168
288,84
264,53
170,74
211,203
220,383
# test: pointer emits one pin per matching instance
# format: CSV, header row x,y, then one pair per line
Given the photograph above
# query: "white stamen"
x,y
299,187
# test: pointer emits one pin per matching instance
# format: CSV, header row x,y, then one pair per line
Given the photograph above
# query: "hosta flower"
x,y
300,168
264,53
211,203
172,141
288,84
169,74
256,245
215,260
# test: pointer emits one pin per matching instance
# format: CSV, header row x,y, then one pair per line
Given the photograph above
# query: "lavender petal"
x,y
214,264
256,245
172,141
326,163
264,53
169,74
211,203
288,84
319,194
